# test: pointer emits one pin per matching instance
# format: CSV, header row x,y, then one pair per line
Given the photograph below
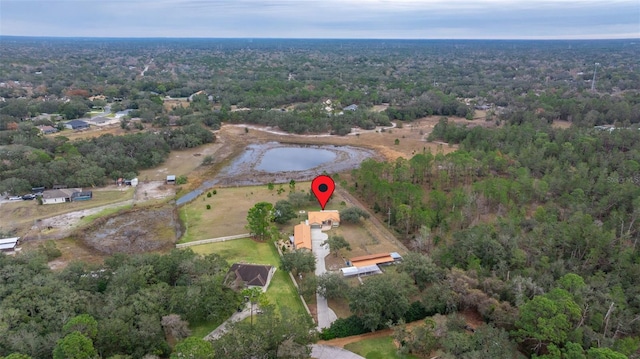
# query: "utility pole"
x,y
593,81
389,214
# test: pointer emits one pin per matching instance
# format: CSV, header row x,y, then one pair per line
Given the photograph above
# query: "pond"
x,y
279,163
294,159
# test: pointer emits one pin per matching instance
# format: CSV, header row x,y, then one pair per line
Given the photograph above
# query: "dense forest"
x,y
529,217
133,304
515,80
30,160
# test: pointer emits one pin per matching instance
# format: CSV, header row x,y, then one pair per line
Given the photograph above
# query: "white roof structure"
x,y
8,243
358,271
396,256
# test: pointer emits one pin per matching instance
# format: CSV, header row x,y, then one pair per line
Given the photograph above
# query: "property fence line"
x,y
212,240
295,284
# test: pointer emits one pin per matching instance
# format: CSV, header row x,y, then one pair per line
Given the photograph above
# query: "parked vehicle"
x,y
28,197
15,198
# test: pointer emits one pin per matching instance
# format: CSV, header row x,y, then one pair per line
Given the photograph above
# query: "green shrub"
x,y
208,194
181,180
208,206
344,327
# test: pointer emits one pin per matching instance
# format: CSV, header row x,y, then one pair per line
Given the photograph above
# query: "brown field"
x,y
181,163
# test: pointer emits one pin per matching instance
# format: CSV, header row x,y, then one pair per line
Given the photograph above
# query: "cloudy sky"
x,y
405,19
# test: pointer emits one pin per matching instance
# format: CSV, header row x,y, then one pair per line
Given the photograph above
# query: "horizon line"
x,y
325,38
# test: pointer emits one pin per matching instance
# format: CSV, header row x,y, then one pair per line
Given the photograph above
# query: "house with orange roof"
x,y
302,236
324,219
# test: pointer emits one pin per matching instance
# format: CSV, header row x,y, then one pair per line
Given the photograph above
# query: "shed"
x,y
171,179
76,125
352,107
81,196
372,259
9,244
360,271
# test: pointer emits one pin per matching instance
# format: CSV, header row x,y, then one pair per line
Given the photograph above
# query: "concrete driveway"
x,y
319,351
326,315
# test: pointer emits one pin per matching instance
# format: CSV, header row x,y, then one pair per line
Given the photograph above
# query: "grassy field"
x,y
281,291
377,348
228,213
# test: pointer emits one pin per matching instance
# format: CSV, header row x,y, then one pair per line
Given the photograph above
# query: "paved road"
x,y
326,315
236,317
320,351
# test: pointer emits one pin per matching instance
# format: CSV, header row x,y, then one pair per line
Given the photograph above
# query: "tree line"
x,y
539,221
30,160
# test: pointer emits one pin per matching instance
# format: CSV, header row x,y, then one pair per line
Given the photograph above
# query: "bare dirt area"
x,y
154,190
182,163
136,230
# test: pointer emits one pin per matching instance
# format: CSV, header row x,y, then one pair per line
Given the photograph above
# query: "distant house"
x,y
76,125
251,275
9,244
64,195
352,107
98,121
45,130
171,179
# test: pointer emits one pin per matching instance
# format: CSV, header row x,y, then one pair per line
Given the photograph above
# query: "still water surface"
x,y
293,159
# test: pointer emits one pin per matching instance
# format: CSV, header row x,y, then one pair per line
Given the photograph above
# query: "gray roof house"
x,y
352,107
76,124
59,195
252,275
45,130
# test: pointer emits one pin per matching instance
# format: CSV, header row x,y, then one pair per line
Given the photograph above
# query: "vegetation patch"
x,y
377,348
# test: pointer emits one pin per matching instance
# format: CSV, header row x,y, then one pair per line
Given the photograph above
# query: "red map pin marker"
x,y
322,187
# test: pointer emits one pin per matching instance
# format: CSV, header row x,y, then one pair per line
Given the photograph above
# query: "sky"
x,y
377,19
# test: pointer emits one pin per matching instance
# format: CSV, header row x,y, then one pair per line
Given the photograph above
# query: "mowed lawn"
x,y
228,213
281,292
377,348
